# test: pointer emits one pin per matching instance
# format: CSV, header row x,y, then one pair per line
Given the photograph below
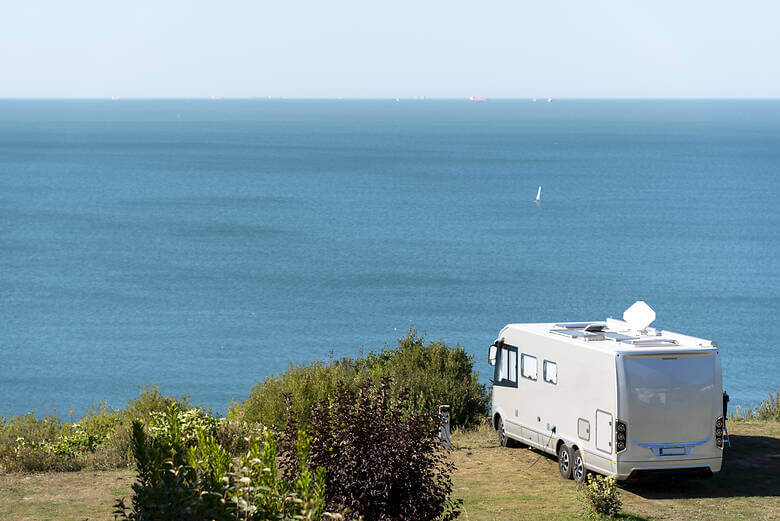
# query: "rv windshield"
x,y
670,397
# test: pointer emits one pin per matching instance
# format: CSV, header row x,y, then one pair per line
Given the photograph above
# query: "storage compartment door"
x,y
604,431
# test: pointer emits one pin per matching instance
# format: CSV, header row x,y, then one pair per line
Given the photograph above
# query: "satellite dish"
x,y
639,315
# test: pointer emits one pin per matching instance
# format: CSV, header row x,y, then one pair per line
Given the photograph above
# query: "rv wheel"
x,y
564,461
578,470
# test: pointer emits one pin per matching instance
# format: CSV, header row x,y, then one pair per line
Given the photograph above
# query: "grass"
x,y
63,496
495,483
508,484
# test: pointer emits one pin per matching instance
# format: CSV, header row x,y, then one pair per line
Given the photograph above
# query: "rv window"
x,y
512,366
550,371
503,365
529,367
506,366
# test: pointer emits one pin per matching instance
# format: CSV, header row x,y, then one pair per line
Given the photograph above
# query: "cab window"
x,y
506,366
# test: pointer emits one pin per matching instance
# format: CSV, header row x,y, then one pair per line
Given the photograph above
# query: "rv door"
x,y
604,431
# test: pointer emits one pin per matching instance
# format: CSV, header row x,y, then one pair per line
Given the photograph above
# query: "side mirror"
x,y
492,352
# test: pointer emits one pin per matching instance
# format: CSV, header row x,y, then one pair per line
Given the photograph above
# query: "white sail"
x,y
539,193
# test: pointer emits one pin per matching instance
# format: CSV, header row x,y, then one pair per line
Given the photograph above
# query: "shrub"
x,y
601,496
99,440
382,460
432,372
203,481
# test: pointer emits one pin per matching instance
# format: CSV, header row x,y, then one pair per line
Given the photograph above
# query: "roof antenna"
x,y
639,316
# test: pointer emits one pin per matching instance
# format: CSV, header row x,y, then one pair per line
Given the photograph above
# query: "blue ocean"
x,y
206,244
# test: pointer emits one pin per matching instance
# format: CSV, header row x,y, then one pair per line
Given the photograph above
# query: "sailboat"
x,y
539,194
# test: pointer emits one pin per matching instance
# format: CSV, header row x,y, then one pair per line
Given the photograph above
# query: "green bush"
x,y
433,372
202,481
601,496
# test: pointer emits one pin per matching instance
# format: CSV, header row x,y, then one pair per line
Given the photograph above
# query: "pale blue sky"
x,y
362,48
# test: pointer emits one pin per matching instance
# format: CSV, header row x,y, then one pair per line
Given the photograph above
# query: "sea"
x,y
203,245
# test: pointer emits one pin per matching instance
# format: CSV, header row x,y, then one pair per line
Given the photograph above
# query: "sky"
x,y
367,48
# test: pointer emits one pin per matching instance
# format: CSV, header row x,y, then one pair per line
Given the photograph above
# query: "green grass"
x,y
507,484
495,483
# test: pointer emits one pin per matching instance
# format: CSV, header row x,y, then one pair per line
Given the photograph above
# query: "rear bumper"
x,y
641,469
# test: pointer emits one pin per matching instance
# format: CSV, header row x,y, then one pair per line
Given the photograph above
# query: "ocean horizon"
x,y
206,244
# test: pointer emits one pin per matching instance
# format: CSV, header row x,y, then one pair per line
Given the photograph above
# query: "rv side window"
x,y
506,366
529,367
550,372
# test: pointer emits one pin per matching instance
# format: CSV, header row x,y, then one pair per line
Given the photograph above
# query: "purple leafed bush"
x,y
382,459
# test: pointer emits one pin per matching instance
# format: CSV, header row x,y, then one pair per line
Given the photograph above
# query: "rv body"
x,y
627,402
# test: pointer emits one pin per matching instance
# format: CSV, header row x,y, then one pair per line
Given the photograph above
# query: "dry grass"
x,y
495,483
63,496
508,484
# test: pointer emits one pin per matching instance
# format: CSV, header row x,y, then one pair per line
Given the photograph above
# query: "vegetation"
x,y
102,438
601,497
768,410
181,476
382,459
433,373
495,483
99,440
370,456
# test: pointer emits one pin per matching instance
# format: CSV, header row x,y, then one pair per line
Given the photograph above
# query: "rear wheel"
x,y
564,461
578,470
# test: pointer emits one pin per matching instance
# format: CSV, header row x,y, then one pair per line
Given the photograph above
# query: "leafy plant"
x,y
433,373
601,496
200,480
382,459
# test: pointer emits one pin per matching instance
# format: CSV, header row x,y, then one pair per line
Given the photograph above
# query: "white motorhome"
x,y
614,397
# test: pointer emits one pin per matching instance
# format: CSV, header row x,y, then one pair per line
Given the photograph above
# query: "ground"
x,y
511,483
495,483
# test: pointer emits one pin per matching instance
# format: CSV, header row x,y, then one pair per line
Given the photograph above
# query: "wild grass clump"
x,y
601,497
433,373
101,439
767,410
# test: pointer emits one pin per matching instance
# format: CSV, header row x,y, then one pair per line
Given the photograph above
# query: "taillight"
x,y
622,435
719,432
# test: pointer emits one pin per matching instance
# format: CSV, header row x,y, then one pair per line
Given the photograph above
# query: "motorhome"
x,y
616,397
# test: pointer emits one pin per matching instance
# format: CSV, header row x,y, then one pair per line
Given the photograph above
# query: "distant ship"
x,y
539,194
534,100
472,98
549,100
419,98
114,98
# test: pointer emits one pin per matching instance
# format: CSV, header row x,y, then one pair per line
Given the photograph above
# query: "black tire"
x,y
503,439
564,461
578,471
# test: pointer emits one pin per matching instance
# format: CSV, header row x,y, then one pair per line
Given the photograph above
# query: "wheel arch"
x,y
496,418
